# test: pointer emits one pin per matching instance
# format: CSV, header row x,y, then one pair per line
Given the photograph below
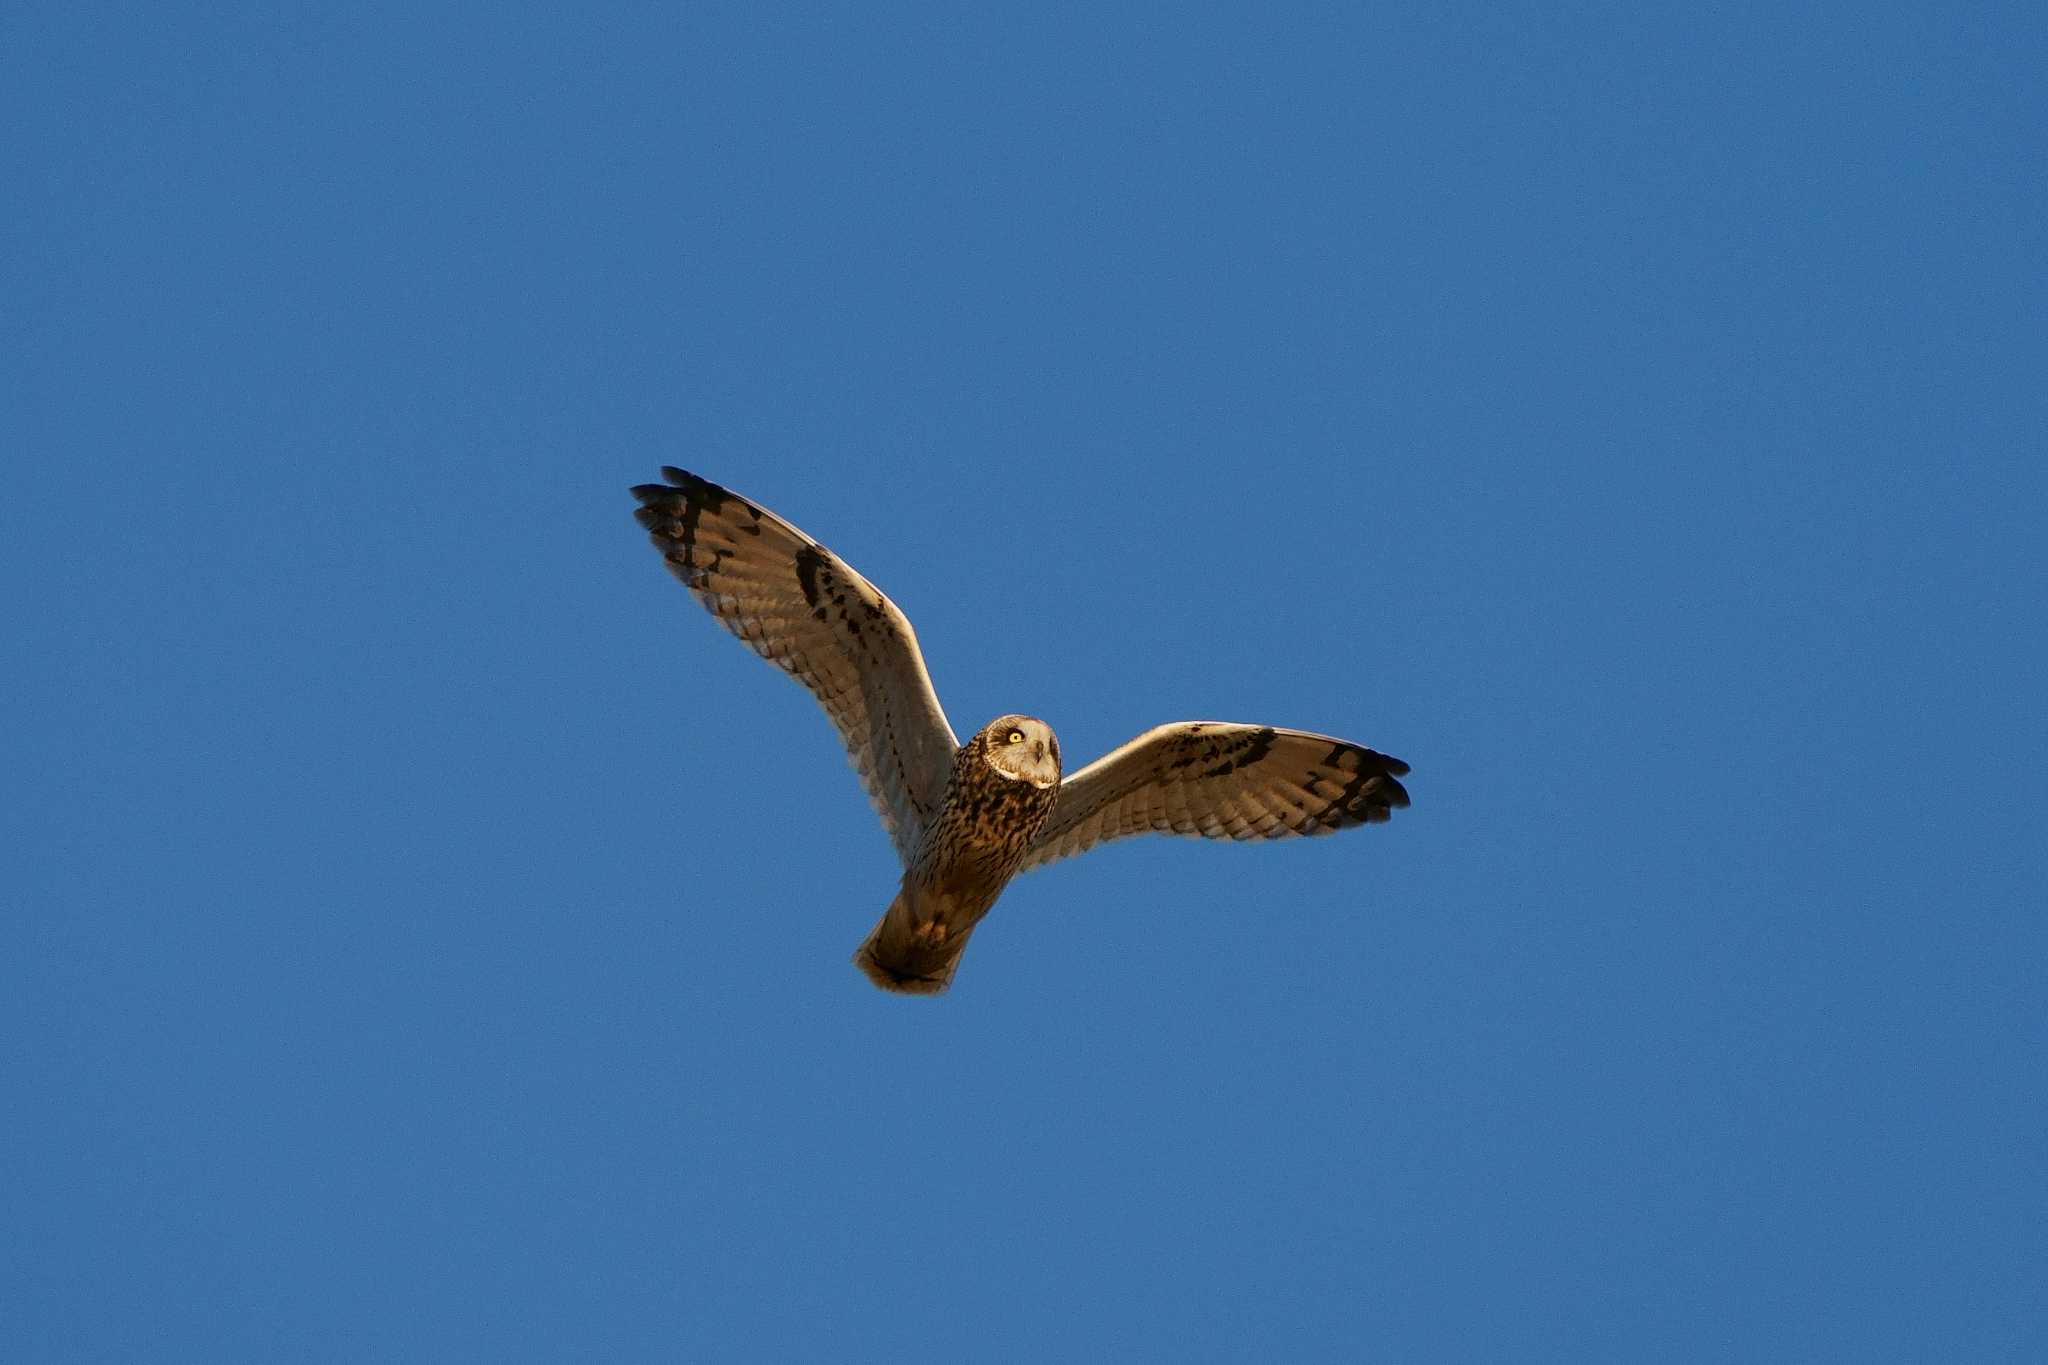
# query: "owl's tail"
x,y
912,954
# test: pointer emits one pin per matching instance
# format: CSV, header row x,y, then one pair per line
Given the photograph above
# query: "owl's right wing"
x,y
1222,781
806,611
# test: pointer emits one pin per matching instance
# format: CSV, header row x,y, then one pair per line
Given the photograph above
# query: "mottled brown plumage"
x,y
1000,793
1222,781
966,818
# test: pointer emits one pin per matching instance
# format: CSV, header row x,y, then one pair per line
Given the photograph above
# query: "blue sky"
x,y
428,933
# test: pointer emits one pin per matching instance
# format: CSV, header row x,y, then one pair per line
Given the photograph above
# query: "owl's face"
x,y
1021,748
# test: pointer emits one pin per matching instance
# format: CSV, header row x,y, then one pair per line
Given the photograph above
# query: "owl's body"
x,y
998,797
966,818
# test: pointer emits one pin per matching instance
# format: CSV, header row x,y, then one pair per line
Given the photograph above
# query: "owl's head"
x,y
1021,748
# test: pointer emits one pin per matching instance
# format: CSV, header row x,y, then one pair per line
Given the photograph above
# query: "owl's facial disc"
x,y
1023,749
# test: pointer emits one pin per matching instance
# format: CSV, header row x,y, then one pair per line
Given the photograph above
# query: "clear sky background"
x,y
426,933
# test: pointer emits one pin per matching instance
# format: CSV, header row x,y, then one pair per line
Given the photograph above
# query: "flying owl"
x,y
966,818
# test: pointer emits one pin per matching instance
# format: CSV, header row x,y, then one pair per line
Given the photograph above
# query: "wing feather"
x,y
805,610
1220,780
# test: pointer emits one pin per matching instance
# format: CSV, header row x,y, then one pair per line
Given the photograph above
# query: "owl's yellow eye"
x,y
1014,737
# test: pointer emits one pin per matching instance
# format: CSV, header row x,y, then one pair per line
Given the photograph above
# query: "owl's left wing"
x,y
1221,781
806,611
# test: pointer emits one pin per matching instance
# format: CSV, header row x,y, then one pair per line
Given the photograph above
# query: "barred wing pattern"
x,y
1221,781
806,611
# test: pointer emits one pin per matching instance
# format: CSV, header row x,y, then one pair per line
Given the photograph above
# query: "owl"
x,y
966,818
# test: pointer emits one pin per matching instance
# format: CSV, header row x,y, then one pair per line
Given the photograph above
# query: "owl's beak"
x,y
1038,750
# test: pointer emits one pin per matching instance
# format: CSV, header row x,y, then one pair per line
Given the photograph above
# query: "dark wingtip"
x,y
1384,789
656,499
677,479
